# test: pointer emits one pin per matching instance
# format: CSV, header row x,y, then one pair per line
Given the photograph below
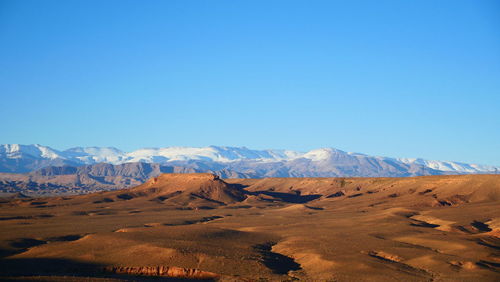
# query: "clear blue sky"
x,y
391,78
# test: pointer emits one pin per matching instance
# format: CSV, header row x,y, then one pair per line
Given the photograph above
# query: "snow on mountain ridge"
x,y
449,166
322,154
211,153
35,150
90,155
220,154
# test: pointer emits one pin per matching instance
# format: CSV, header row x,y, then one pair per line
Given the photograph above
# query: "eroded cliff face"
x,y
164,271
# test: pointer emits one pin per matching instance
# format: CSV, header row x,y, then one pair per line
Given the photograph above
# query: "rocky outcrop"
x,y
186,188
165,271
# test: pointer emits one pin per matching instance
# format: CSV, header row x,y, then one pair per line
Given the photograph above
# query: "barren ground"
x,y
436,228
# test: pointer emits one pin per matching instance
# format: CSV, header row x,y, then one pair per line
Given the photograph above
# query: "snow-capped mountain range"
x,y
16,158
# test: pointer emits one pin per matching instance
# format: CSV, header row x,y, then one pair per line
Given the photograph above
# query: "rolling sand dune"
x,y
197,226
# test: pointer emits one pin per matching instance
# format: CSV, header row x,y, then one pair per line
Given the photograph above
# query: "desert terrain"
x,y
201,227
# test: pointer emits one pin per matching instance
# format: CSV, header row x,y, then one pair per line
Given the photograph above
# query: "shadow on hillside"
x,y
19,269
278,263
46,266
285,197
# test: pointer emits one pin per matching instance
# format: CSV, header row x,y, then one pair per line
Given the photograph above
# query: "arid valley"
x,y
198,226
